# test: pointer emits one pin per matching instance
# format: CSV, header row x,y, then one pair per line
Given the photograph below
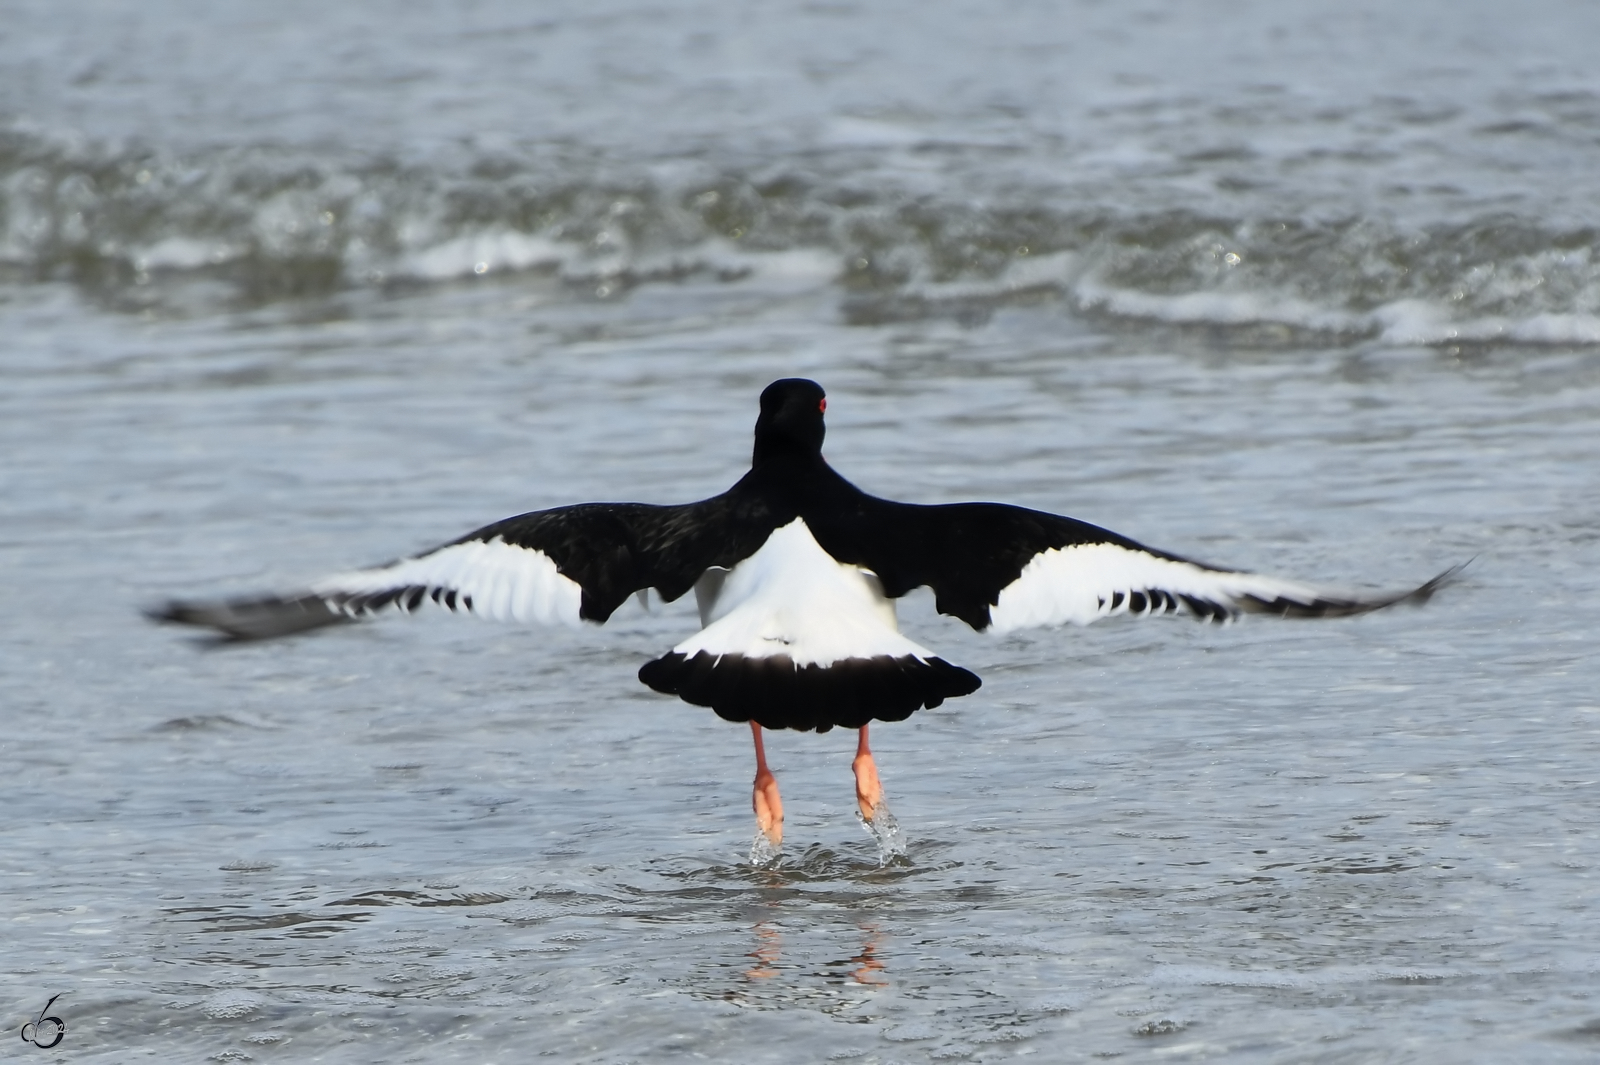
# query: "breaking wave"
x,y
139,228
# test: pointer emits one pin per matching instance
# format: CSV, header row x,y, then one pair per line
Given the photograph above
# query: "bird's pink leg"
x,y
869,792
768,806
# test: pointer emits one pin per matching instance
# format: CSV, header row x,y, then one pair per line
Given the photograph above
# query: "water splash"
x,y
886,831
764,854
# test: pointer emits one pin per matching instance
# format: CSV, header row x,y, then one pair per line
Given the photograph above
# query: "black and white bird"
x,y
795,571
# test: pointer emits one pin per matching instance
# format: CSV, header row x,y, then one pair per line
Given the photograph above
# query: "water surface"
x,y
1305,288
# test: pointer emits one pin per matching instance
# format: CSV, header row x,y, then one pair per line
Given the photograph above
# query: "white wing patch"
x,y
490,578
1083,583
791,598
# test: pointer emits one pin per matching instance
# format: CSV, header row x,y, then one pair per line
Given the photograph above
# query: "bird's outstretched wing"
x,y
565,565
1006,567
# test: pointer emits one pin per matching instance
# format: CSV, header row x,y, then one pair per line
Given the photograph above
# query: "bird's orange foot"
x,y
869,791
769,810
875,815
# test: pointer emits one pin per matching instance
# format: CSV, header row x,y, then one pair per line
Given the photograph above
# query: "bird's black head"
x,y
791,419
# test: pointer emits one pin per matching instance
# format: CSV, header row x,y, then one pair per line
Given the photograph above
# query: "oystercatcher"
x,y
795,571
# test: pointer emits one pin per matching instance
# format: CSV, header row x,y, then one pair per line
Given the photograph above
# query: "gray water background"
x,y
1303,287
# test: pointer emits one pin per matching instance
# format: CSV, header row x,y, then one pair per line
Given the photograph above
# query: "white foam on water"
x,y
800,266
1028,273
1219,308
182,253
502,251
1408,322
1427,322
484,252
231,1004
1413,322
1558,329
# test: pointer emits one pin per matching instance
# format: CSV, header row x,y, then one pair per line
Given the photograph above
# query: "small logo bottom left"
x,y
45,1032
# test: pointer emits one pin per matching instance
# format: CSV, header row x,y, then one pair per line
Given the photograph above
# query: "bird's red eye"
x,y
822,405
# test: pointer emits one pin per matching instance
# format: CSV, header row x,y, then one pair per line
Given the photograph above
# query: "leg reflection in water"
x,y
869,967
865,967
833,969
769,949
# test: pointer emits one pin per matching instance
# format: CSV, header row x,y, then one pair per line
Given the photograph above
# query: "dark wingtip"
x,y
238,620
1340,607
173,612
1448,577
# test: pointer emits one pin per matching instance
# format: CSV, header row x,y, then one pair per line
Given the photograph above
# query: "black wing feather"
x,y
968,553
965,552
610,550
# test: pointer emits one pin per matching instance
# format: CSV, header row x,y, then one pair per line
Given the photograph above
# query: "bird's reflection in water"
x,y
769,949
869,967
865,968
808,936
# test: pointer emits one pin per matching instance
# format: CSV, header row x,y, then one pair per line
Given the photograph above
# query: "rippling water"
x,y
1303,287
